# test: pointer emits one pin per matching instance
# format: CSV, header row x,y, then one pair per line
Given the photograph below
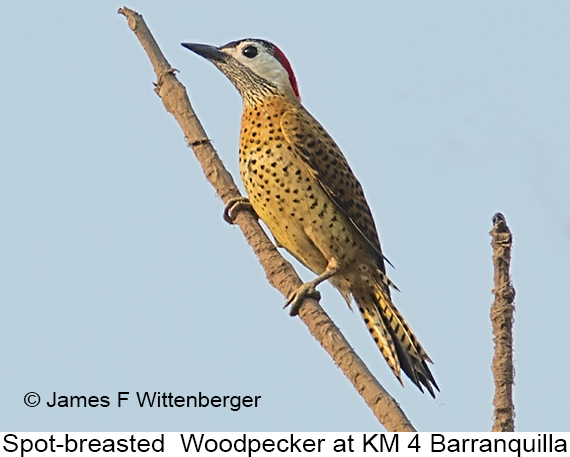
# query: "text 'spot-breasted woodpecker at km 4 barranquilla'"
x,y
300,184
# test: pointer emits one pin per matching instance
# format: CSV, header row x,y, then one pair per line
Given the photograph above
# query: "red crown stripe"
x,y
280,56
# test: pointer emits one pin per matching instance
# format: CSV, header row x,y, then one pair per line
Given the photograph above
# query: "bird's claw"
x,y
296,299
236,204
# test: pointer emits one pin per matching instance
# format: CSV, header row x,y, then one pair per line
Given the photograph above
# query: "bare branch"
x,y
279,272
502,312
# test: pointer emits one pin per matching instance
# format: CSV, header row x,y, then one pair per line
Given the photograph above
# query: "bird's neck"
x,y
259,99
269,109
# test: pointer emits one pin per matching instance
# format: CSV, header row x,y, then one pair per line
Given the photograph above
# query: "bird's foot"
x,y
306,290
235,205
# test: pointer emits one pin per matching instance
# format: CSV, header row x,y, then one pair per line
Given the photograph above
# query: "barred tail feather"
x,y
381,335
394,337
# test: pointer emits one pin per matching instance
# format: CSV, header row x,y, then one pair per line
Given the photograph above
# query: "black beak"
x,y
211,53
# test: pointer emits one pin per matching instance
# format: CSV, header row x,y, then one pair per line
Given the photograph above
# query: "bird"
x,y
301,186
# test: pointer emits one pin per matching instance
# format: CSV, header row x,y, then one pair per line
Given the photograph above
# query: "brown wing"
x,y
326,162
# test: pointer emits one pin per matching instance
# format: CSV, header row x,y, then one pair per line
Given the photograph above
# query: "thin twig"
x,y
279,272
502,312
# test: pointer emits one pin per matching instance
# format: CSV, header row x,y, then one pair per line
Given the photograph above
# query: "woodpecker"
x,y
300,184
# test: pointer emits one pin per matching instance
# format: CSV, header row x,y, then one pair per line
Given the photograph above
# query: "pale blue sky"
x,y
118,273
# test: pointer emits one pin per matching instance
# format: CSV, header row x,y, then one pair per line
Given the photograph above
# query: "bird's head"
x,y
257,68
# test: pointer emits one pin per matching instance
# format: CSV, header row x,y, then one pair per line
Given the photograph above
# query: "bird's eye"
x,y
250,51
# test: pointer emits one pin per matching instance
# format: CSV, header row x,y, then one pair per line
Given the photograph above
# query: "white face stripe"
x,y
264,64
